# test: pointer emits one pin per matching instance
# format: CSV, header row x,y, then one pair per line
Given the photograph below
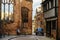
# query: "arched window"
x,y
24,13
7,10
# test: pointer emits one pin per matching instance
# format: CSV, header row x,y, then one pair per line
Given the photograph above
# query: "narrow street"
x,y
24,19
26,37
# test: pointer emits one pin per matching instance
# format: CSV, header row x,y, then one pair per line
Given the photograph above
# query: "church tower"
x,y
16,14
26,16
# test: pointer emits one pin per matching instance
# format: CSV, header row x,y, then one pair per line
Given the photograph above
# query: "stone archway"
x,y
24,14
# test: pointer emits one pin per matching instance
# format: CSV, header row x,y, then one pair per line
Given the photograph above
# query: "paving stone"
x,y
27,37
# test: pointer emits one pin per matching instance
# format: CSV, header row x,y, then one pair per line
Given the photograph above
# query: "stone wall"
x,y
28,5
11,28
40,21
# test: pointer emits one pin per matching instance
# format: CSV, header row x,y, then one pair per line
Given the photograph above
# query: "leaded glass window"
x,y
7,10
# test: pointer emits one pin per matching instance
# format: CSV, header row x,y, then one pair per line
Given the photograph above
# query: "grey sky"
x,y
36,3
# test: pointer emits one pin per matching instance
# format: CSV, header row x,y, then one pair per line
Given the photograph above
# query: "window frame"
x,y
10,13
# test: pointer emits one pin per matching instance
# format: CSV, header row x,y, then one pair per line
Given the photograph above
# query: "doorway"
x,y
48,28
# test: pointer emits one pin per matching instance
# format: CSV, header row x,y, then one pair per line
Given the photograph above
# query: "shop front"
x,y
51,27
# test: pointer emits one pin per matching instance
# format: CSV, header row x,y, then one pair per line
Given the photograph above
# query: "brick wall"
x,y
59,18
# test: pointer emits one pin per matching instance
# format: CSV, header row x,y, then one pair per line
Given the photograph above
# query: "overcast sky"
x,y
36,3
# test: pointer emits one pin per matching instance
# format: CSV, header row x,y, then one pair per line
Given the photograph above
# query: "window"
x,y
57,3
38,18
41,23
24,13
54,3
51,3
7,10
45,7
54,24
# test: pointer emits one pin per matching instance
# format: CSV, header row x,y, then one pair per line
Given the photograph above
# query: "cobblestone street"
x,y
26,37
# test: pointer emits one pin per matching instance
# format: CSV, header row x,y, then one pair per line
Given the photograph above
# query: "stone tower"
x,y
22,18
26,8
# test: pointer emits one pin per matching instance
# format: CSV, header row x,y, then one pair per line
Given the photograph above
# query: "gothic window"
x,y
24,13
7,10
